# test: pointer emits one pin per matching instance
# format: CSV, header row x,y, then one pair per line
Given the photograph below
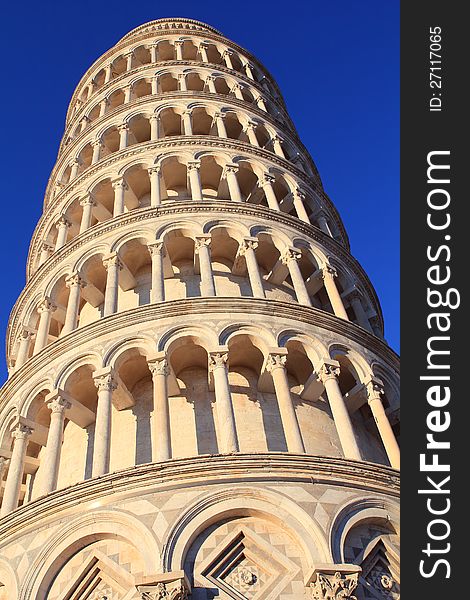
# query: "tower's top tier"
x,y
169,25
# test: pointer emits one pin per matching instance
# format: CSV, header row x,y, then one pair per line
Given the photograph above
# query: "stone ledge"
x,y
191,306
206,470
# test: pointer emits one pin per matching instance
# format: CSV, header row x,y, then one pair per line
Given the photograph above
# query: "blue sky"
x,y
336,62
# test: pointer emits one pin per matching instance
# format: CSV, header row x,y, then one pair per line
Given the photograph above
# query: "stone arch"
x,y
114,354
362,369
143,235
237,228
313,347
241,502
261,334
27,405
354,512
7,421
79,533
205,336
92,359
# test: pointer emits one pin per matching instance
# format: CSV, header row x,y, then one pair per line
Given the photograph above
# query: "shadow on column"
x,y
90,430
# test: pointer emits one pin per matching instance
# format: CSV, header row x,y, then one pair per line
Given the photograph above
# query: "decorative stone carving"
x,y
333,586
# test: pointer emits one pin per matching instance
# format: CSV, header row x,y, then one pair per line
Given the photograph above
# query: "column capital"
x,y
128,53
200,241
290,254
238,86
62,221
194,165
154,117
97,142
112,259
154,169
218,359
328,369
22,431
375,389
58,404
227,52
159,366
178,42
230,168
353,294
329,271
246,244
276,360
46,305
157,247
277,138
334,582
120,182
124,126
75,280
88,200
299,193
267,179
210,78
188,112
105,380
218,114
26,333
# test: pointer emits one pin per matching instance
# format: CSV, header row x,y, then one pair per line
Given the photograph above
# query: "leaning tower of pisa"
x,y
200,402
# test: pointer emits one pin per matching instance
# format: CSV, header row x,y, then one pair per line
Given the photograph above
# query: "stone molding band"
x,y
178,308
178,472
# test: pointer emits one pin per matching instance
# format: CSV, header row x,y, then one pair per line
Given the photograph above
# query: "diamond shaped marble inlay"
x,y
246,568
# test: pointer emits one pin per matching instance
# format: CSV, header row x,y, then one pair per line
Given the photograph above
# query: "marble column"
x,y
74,169
323,224
103,106
187,125
250,130
277,141
227,56
249,71
210,80
291,259
267,185
113,265
105,384
328,372
51,460
276,365
329,273
157,291
179,49
45,310
298,199
195,180
227,435
46,251
23,348
247,249
123,135
202,249
161,433
11,493
219,121
62,226
231,171
96,145
374,393
129,57
119,186
155,190
237,90
354,298
154,127
75,283
203,52
153,53
108,73
87,205
182,82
